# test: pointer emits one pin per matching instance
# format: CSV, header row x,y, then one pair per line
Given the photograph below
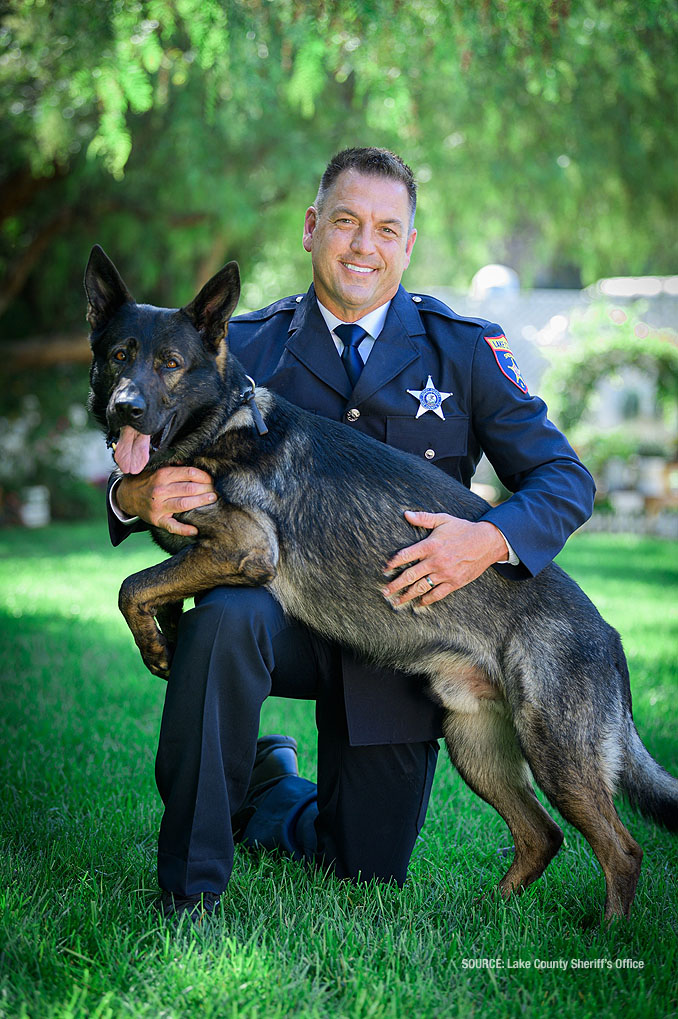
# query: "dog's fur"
x,y
532,679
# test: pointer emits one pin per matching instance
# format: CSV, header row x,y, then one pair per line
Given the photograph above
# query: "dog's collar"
x,y
247,397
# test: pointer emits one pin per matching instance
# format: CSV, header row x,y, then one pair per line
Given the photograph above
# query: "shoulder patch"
x,y
506,361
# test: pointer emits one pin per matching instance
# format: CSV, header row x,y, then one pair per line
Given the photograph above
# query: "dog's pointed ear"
x,y
104,287
211,309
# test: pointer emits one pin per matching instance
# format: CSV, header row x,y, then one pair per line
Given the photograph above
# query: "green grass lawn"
x,y
79,816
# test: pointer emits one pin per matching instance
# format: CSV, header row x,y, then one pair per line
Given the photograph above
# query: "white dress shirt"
x,y
372,323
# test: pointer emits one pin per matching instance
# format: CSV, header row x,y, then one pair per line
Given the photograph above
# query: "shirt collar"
x,y
372,323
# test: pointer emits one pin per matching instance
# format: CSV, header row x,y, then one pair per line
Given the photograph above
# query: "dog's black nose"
x,y
130,406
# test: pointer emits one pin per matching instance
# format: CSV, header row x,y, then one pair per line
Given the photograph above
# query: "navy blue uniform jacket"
x,y
288,348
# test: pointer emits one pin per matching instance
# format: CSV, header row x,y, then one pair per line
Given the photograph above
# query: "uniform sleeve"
x,y
118,530
552,490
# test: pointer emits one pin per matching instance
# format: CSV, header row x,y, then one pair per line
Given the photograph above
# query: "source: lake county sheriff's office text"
x,y
556,964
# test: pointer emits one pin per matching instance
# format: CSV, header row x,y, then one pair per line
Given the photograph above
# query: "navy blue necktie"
x,y
351,336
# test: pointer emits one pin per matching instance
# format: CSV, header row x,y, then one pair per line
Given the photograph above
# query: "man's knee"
x,y
242,602
229,629
237,610
372,802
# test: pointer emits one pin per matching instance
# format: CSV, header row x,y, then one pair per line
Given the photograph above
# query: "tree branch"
x,y
18,189
31,255
40,351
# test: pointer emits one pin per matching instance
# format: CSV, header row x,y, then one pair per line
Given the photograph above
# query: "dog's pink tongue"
x,y
132,450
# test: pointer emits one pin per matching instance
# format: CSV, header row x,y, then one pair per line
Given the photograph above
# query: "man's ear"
x,y
408,247
211,309
105,290
310,223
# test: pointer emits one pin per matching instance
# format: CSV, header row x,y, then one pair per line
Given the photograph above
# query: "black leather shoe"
x,y
196,907
276,758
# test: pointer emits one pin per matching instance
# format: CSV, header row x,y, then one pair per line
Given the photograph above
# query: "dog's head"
x,y
154,368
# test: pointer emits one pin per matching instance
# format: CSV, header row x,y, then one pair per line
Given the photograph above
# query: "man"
x,y
416,376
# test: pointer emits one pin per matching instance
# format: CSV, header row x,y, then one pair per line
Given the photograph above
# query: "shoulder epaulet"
x,y
426,303
284,304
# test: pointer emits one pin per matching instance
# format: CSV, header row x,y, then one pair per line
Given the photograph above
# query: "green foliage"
x,y
180,134
605,341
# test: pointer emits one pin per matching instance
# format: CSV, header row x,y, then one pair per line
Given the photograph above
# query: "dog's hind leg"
x,y
483,747
575,779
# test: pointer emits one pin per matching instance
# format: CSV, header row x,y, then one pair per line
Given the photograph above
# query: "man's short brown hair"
x,y
378,163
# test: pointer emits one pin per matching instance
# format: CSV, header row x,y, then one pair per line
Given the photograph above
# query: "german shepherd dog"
x,y
533,681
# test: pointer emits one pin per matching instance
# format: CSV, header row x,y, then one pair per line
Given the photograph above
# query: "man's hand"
x,y
454,553
157,496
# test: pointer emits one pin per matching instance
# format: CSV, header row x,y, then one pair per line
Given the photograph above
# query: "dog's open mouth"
x,y
133,448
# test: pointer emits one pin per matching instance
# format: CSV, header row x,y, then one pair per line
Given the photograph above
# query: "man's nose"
x,y
363,239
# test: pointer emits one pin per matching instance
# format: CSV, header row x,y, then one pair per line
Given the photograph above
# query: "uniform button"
x,y
352,415
429,454
417,299
299,299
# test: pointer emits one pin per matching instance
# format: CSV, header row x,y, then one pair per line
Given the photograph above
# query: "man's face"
x,y
360,243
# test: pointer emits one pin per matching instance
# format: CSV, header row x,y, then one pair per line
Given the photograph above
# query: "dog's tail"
x,y
644,783
647,786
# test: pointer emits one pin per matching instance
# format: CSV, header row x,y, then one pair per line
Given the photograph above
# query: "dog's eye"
x,y
171,363
120,355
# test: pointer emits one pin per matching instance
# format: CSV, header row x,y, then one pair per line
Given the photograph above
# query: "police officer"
x,y
410,372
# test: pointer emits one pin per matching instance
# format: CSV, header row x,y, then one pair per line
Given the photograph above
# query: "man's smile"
x,y
357,268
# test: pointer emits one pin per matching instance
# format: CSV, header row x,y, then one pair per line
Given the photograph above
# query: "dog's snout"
x,y
130,405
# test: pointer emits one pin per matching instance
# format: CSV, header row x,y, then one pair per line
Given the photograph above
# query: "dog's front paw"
x,y
159,668
157,658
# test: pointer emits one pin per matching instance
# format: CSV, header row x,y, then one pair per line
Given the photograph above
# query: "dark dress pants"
x,y
235,648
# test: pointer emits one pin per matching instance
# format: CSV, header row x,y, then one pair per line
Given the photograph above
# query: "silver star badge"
x,y
429,399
